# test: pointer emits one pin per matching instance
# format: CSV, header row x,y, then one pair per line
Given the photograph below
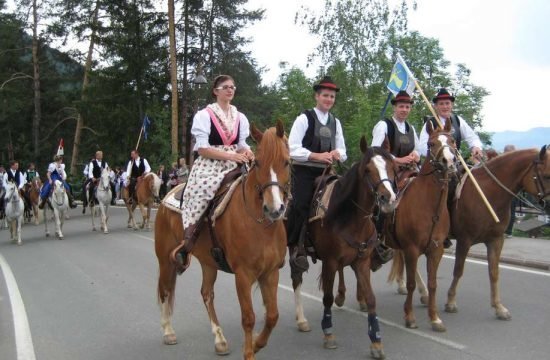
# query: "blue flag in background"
x,y
400,79
146,124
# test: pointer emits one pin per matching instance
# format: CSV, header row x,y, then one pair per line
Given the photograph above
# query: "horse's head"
x,y
538,182
441,148
272,172
377,171
154,184
58,187
105,179
36,184
12,193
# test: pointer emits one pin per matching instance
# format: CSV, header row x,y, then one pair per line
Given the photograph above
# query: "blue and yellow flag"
x,y
400,79
146,124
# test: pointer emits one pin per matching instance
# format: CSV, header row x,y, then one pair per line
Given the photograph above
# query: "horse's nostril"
x,y
266,209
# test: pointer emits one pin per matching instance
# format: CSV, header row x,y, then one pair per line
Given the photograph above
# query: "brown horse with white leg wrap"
x,y
252,236
147,190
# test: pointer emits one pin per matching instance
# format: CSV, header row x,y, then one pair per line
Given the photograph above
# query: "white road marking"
x,y
23,338
503,266
417,332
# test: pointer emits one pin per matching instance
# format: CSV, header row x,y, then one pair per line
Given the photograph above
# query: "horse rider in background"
x,y
137,167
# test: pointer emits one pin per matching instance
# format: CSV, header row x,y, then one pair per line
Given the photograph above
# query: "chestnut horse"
x,y
147,190
33,193
421,221
254,244
346,236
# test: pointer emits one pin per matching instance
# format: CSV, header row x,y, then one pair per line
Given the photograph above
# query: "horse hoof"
x,y
377,353
304,326
451,308
411,324
424,299
330,342
503,315
363,307
93,229
19,243
106,231
129,226
402,290
339,300
170,339
47,234
222,349
438,327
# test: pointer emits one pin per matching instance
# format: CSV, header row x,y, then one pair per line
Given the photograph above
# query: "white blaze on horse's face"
x,y
380,164
447,154
276,209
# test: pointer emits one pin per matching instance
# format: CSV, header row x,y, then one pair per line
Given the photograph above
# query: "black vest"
x,y
137,171
96,170
216,139
319,138
455,128
15,178
400,144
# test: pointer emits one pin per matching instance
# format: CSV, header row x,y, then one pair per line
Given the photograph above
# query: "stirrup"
x,y
181,263
299,262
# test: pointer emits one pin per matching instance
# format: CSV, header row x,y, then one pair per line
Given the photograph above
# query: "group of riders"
x,y
137,167
316,141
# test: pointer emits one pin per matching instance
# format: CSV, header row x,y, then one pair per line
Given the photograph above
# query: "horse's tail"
x,y
397,265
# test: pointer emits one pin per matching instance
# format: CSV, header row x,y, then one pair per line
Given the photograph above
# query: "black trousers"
x,y
303,186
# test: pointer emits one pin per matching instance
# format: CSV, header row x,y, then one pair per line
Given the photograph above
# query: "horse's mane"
x,y
272,147
504,160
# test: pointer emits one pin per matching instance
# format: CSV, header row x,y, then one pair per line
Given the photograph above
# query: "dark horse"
x,y
421,221
347,235
512,172
253,237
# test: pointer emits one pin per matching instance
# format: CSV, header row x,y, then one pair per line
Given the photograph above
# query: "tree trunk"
x,y
173,78
36,82
85,83
184,93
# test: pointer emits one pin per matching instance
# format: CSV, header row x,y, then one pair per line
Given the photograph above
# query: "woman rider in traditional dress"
x,y
220,133
56,171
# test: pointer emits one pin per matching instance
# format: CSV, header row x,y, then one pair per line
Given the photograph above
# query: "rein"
x,y
518,196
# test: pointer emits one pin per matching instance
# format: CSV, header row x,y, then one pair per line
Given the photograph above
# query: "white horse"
x,y
15,208
60,203
103,195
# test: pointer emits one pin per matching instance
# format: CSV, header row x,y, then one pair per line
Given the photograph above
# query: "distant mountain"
x,y
535,137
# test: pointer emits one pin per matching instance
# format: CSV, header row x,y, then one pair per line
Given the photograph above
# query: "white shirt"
x,y
138,162
466,133
298,131
22,181
202,125
381,130
86,170
90,167
60,170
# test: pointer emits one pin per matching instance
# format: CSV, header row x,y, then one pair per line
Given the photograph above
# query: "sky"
x,y
506,48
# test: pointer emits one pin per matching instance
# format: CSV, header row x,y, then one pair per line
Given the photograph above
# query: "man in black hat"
x,y
316,141
461,131
403,143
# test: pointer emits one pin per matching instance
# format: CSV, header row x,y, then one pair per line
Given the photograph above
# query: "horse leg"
x,y
35,213
46,222
166,294
58,221
327,281
422,289
411,261
341,296
92,212
361,299
433,259
362,273
143,216
209,276
248,318
494,249
268,286
18,229
301,321
462,248
400,278
103,209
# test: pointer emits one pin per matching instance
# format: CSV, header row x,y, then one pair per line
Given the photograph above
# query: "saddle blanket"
x,y
172,200
321,203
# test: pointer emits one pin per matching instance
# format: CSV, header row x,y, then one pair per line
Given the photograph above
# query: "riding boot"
x,y
382,254
298,257
72,204
42,203
183,256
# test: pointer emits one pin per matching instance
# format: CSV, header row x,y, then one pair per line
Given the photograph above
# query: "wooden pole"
x,y
139,138
474,181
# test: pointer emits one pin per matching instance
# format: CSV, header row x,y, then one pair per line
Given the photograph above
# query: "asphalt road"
x,y
93,296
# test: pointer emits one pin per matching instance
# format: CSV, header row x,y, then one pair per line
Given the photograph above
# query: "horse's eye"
x,y
430,144
287,163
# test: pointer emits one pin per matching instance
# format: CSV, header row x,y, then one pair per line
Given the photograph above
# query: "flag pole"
x,y
474,181
139,137
385,105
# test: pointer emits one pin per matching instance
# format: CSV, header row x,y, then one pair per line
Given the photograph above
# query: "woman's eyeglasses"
x,y
226,87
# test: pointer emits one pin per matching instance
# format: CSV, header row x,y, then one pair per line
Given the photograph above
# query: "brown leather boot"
x,y
72,205
42,203
183,253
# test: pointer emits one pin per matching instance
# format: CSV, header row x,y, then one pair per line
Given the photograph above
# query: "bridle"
x,y
56,193
260,189
374,186
436,158
542,193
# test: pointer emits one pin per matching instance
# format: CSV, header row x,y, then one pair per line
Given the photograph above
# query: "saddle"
x,y
404,174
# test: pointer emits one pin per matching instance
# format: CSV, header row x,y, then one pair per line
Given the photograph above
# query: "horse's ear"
x,y
542,153
255,133
429,127
280,128
386,143
363,144
448,124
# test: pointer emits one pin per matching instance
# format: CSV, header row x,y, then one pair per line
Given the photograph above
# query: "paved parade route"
x,y
93,296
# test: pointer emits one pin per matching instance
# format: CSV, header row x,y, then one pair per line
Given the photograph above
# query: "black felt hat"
x,y
443,94
326,83
402,96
